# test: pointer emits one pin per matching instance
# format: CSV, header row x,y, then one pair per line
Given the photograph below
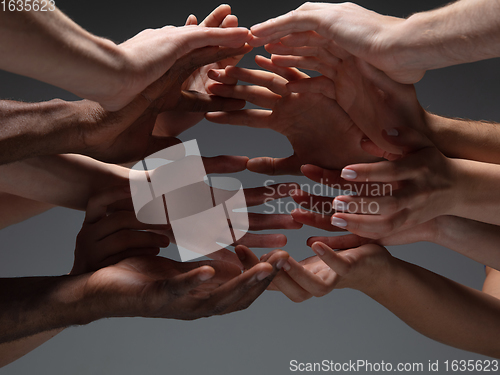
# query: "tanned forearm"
x,y
440,308
465,139
35,129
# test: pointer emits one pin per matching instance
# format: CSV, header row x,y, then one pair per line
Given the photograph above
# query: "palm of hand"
x,y
133,286
320,132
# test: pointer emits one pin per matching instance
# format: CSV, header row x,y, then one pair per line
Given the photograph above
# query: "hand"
x,y
318,129
362,33
126,135
152,52
152,286
108,239
373,100
427,188
174,122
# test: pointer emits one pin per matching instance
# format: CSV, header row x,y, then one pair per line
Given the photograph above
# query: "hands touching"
x,y
316,126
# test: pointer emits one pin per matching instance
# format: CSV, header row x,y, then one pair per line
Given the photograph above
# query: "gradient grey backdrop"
x,y
263,339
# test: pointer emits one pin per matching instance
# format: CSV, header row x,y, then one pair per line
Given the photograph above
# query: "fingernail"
x,y
348,174
281,263
339,205
392,132
262,275
318,249
338,222
287,266
204,276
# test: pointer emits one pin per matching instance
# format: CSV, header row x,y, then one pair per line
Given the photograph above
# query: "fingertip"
x,y
349,174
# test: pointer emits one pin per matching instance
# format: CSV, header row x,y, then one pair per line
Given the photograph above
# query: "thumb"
x,y
275,166
335,260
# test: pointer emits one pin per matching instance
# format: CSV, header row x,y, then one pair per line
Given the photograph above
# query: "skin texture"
x,y
307,119
461,32
112,75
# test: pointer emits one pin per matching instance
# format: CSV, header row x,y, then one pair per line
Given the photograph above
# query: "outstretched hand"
x,y
318,129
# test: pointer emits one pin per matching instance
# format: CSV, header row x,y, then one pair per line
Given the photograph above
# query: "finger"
x,y
254,118
191,20
230,21
347,241
289,287
98,203
336,261
313,219
288,73
369,146
217,16
292,22
246,256
129,253
333,179
129,239
370,226
307,280
225,164
259,195
305,62
275,166
225,255
121,220
313,202
219,75
192,101
269,80
387,204
384,171
198,37
262,240
271,221
257,95
319,85
407,139
321,54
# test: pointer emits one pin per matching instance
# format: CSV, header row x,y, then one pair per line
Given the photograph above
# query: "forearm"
x,y
476,240
34,129
61,180
32,305
12,351
465,139
465,31
440,308
50,47
474,194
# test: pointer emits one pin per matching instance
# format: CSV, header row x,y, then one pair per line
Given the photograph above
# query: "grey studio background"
x,y
345,325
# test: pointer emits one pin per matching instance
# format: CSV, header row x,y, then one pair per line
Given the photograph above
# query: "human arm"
x,y
464,31
33,43
84,127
